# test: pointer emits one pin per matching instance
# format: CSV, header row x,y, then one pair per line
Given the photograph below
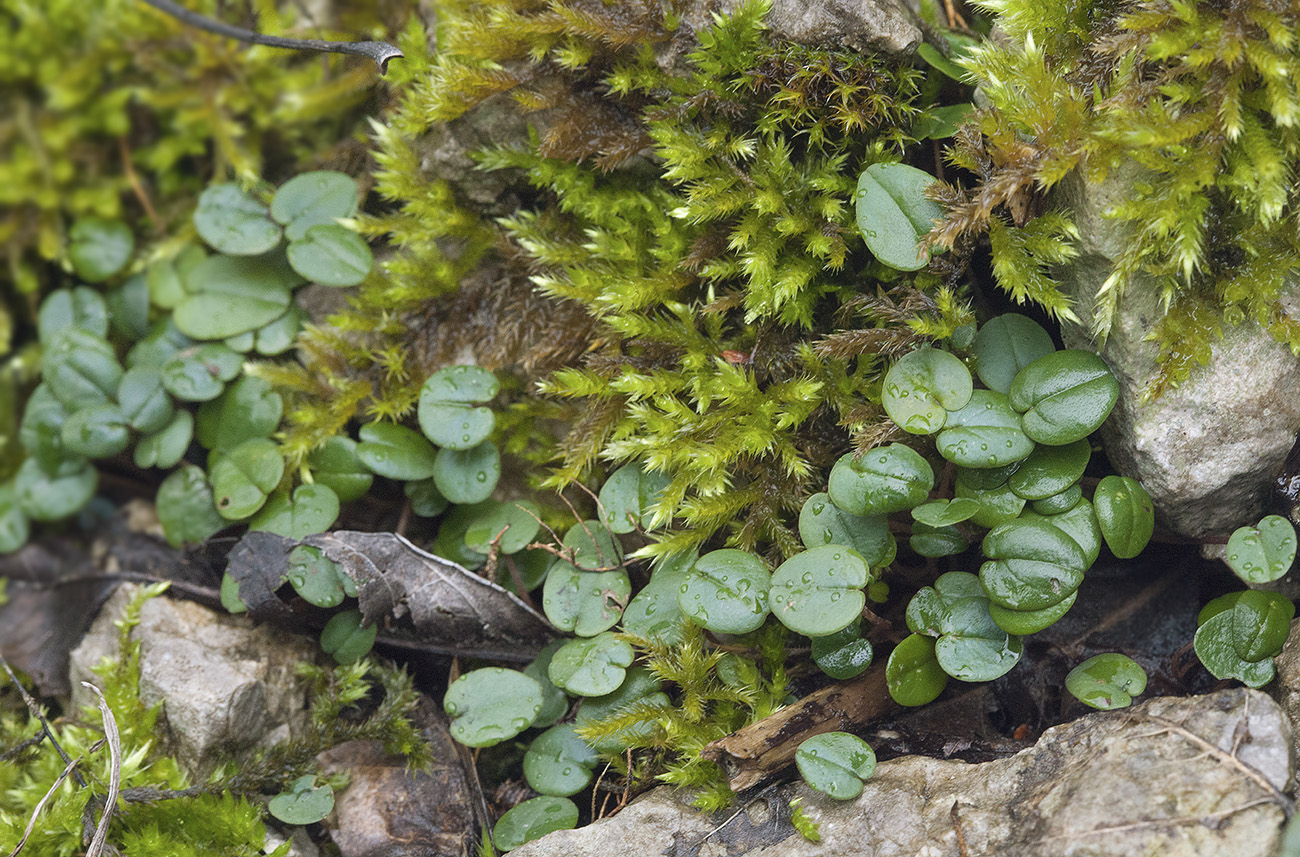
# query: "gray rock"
x,y
1207,450
225,685
870,26
1286,687
1113,783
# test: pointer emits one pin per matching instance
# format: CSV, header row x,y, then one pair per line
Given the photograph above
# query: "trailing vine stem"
x,y
379,52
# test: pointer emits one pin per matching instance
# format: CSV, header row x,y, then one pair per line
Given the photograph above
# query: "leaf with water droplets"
x,y
922,387
467,476
1263,553
836,763
1064,396
894,214
1107,681
533,819
558,762
726,591
584,602
821,522
985,433
1032,565
883,480
591,666
446,414
491,705
819,591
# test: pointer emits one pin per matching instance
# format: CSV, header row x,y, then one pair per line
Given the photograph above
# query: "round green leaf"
x,y
1263,553
1107,681
311,509
166,288
396,451
80,368
592,546
248,409
510,526
320,196
278,336
974,648
1007,344
628,497
1214,646
893,214
997,505
445,413
591,666
836,763
233,222
43,497
229,295
533,819
913,674
1240,642
128,308
1064,396
1080,524
726,592
844,654
242,477
345,639
427,502
1021,622
558,762
469,475
14,526
819,591
144,401
584,602
200,373
186,509
1058,504
1032,565
64,308
166,447
821,522
923,387
317,578
1050,470
302,804
450,541
884,480
337,466
491,705
988,478
164,342
41,432
945,513
937,541
1261,622
1126,515
96,431
331,255
985,433
98,248
554,703
639,691
653,614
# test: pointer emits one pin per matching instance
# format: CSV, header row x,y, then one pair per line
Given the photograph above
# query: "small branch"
x,y
114,774
31,824
1163,822
35,711
379,52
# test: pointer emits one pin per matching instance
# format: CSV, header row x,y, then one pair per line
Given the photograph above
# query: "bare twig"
x,y
1163,822
35,711
40,805
379,52
114,773
955,815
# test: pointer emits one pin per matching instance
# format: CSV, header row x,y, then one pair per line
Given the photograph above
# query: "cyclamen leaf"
x,y
1263,553
98,248
884,480
923,387
331,255
836,763
893,214
231,221
1064,396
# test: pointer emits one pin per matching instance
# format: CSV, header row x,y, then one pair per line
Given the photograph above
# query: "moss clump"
x,y
1202,97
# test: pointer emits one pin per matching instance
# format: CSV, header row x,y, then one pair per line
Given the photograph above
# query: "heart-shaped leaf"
x,y
200,373
844,654
1021,622
164,342
311,509
186,509
558,762
144,401
491,705
41,432
913,674
80,368
1050,470
1080,524
821,522
628,497
836,763
243,477
248,409
726,591
893,214
445,411
591,666
1006,344
997,505
884,480
653,614
99,248
1126,514
554,703
14,527
331,255
303,803
1064,396
1060,503
317,578
985,433
96,431
319,196
228,295
970,644
166,447
1032,565
278,336
591,546
945,513
1107,681
469,475
922,387
1263,553
45,497
585,603
337,465
509,526
1261,622
346,639
233,222
937,541
396,451
1261,629
64,308
819,591
533,819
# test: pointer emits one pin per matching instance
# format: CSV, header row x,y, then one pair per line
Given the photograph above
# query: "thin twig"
x,y
40,805
136,187
35,711
114,773
956,827
379,52
1161,822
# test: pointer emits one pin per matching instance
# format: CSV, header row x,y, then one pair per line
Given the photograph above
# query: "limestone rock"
x,y
225,685
1112,783
1207,450
869,26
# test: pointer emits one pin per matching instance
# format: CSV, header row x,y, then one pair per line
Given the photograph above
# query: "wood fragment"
x,y
761,749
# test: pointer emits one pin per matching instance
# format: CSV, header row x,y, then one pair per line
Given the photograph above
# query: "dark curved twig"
x,y
379,52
